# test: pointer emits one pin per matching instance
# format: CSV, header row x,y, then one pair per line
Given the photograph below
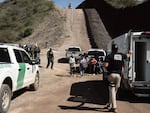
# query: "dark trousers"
x,y
92,69
50,61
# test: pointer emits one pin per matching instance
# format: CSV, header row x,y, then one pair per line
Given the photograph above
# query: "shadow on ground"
x,y
63,60
81,107
94,92
20,92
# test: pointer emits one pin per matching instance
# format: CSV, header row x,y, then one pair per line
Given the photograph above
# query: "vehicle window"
x,y
25,57
4,55
99,53
21,56
73,49
18,56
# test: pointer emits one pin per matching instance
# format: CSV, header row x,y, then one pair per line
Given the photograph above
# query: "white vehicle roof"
x,y
74,47
96,49
10,44
14,46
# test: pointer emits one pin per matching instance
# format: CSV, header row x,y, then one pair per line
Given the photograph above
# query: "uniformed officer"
x,y
114,63
50,58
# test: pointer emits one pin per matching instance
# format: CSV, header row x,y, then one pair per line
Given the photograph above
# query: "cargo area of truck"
x,y
141,84
142,60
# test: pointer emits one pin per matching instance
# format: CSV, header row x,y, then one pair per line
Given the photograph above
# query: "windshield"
x,y
4,55
73,49
96,53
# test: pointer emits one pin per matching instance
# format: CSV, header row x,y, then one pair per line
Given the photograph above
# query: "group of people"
x,y
93,65
33,50
113,63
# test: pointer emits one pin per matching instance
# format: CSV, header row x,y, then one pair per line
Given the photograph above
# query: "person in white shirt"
x,y
72,64
83,64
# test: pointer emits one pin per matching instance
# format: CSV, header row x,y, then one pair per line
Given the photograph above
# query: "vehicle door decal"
x,y
20,80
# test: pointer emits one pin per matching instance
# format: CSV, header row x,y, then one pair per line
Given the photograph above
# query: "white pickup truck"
x,y
17,71
75,51
93,52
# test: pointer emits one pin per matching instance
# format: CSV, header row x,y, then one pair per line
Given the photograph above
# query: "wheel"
x,y
5,98
35,85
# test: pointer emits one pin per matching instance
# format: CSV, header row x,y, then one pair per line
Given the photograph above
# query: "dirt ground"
x,y
61,93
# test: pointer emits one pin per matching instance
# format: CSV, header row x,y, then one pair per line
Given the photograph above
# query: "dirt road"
x,y
60,93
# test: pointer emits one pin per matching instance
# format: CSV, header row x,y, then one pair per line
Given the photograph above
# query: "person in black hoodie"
x,y
50,58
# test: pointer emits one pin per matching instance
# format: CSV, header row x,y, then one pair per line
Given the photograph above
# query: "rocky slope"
x,y
49,33
66,23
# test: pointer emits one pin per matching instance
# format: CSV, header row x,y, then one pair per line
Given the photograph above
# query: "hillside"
x,y
49,28
39,21
49,32
19,18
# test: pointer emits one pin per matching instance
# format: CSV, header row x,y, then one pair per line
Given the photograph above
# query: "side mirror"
x,y
33,62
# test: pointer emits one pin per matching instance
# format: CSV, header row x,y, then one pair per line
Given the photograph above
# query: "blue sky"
x,y
64,3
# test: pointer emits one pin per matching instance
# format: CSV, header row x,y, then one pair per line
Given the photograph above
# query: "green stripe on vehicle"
x,y
22,69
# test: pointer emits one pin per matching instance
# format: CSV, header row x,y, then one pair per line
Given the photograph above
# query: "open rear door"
x,y
147,77
140,60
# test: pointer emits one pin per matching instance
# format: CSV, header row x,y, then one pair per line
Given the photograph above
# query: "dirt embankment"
x,y
74,24
49,33
65,24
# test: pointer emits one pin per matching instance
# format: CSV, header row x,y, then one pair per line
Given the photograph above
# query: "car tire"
x,y
35,85
5,98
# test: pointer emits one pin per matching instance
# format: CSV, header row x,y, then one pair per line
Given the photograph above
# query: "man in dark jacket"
x,y
50,58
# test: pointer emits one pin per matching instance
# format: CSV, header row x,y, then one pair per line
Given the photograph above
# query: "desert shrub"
x,y
21,17
26,32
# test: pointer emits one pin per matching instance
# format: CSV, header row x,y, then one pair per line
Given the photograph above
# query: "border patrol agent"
x,y
114,63
50,58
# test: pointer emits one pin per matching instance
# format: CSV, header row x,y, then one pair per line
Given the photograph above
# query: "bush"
x,y
21,17
26,32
